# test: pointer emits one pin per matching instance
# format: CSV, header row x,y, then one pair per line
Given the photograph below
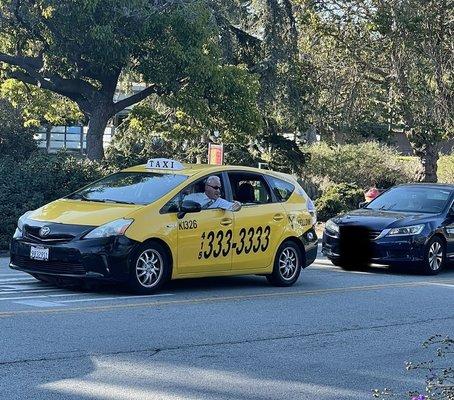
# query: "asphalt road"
x,y
334,335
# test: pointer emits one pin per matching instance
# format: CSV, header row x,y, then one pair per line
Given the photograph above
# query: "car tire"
x,y
287,265
434,256
150,268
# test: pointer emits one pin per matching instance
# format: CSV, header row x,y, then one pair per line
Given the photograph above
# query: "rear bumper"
x,y
310,242
105,258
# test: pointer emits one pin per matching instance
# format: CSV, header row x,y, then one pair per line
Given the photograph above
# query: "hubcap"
x,y
435,256
149,268
288,263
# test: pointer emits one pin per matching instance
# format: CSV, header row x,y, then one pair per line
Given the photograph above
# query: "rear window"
x,y
282,189
130,188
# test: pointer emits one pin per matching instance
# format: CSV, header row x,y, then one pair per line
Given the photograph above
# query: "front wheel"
x,y
150,268
287,265
434,256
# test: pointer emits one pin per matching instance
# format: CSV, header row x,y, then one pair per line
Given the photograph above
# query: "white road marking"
x,y
117,298
40,303
450,285
19,279
29,291
46,296
30,301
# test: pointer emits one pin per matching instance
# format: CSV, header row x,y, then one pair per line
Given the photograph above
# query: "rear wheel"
x,y
287,265
434,256
150,268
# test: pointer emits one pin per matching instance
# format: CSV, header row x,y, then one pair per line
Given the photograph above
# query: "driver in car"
x,y
211,197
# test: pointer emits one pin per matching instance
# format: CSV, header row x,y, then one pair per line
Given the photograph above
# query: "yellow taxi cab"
x,y
135,226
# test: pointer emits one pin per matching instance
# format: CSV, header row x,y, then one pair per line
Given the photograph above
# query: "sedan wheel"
x,y
435,256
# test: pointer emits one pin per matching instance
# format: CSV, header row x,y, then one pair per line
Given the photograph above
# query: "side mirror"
x,y
363,204
188,206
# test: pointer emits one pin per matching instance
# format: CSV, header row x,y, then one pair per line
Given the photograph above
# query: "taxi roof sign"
x,y
164,163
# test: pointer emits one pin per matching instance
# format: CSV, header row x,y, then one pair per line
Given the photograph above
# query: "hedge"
x,y
29,184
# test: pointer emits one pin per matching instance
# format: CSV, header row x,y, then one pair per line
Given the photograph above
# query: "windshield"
x,y
412,199
129,188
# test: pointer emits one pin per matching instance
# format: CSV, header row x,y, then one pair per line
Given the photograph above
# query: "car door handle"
x,y
226,221
278,217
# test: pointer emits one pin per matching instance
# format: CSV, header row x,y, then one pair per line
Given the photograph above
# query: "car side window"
x,y
282,189
172,206
192,189
249,188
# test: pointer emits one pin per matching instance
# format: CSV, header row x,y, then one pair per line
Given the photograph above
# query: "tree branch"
x,y
53,82
135,98
33,62
44,84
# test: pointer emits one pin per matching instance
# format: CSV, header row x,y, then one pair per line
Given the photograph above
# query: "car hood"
x,y
380,219
77,212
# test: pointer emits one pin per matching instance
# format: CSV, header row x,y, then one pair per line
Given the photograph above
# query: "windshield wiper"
x,y
118,201
385,207
79,196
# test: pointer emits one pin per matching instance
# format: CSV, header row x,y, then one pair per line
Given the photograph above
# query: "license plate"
x,y
39,253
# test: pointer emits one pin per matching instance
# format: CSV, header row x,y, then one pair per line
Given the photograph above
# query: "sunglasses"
x,y
215,187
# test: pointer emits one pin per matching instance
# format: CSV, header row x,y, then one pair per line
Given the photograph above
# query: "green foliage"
x,y
350,107
398,51
360,164
282,154
338,198
15,140
39,106
29,183
173,48
446,169
180,126
445,166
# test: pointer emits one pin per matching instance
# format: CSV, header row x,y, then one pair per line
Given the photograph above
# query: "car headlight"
x,y
114,228
406,230
22,219
332,227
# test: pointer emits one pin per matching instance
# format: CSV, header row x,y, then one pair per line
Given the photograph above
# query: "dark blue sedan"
x,y
406,225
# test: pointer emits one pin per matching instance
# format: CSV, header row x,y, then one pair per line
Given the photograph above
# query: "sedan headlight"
x,y
22,219
114,228
332,227
406,230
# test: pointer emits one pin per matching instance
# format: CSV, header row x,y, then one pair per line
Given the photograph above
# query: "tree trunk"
x,y
427,169
96,127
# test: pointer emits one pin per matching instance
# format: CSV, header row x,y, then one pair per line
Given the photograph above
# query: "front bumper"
x,y
386,250
103,258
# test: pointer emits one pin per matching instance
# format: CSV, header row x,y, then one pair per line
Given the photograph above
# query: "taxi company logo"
x,y
44,231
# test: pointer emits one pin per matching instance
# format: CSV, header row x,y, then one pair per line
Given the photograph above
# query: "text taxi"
x,y
151,223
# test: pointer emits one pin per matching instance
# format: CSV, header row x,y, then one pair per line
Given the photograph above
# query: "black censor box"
x,y
355,247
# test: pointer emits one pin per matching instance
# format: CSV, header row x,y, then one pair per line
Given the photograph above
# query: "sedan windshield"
x,y
412,199
129,188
